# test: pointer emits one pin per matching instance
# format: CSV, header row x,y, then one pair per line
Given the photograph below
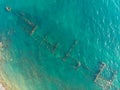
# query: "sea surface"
x,y
66,51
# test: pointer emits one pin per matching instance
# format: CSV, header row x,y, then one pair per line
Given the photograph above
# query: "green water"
x,y
30,63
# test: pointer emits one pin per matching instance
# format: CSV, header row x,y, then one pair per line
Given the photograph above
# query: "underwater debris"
x,y
101,81
70,50
33,30
25,20
77,65
44,40
49,44
55,47
111,80
28,22
102,66
8,9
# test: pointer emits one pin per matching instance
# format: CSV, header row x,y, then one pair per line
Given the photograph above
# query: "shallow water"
x,y
31,61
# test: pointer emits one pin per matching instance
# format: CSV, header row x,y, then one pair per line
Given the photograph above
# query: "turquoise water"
x,y
29,62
